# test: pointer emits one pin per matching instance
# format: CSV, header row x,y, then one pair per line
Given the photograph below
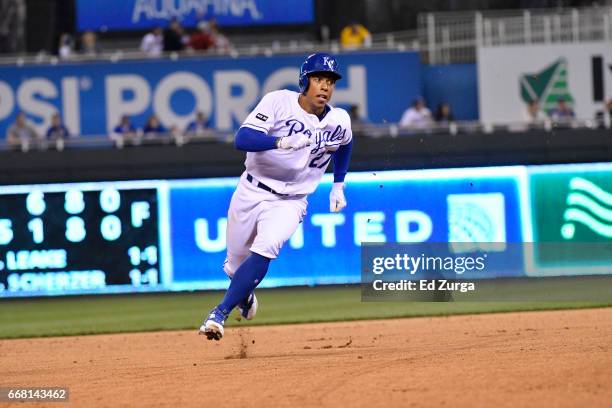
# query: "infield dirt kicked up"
x,y
550,358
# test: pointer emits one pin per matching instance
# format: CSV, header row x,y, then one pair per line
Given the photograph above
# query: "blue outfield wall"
x,y
169,235
456,84
409,206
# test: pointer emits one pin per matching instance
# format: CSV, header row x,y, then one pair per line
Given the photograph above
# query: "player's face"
x,y
320,90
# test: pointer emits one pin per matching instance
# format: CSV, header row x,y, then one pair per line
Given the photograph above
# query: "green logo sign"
x,y
547,86
587,205
572,208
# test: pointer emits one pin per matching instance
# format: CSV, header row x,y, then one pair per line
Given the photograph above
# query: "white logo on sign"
x,y
474,219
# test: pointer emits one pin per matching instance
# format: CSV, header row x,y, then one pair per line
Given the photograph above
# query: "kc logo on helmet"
x,y
329,62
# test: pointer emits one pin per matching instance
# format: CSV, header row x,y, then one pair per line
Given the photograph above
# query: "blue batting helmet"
x,y
315,63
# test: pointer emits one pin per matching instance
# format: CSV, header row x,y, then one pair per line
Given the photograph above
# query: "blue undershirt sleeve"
x,y
341,158
251,140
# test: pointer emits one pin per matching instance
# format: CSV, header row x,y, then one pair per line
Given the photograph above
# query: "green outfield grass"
x,y
152,312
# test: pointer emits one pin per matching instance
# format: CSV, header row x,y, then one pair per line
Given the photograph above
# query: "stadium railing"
x,y
367,130
453,37
393,41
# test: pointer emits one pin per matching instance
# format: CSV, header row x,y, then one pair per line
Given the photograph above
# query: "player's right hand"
x,y
296,142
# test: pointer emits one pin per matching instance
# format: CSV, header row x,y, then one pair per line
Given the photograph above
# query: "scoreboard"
x,y
79,238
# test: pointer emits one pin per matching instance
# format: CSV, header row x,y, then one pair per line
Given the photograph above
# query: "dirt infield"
x,y
560,359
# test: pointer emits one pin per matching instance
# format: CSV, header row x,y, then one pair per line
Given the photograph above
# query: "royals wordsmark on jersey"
x,y
295,172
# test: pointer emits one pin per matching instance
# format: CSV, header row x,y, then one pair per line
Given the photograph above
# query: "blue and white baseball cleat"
x,y
213,326
248,307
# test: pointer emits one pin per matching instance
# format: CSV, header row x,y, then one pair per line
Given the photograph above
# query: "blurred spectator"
x,y
12,25
358,123
125,126
21,133
220,41
153,42
355,114
153,127
444,115
200,17
124,131
534,117
355,36
173,37
89,43
201,40
563,112
604,116
199,127
66,46
417,116
533,113
57,130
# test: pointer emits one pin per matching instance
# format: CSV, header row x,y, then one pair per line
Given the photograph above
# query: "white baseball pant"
x,y
259,221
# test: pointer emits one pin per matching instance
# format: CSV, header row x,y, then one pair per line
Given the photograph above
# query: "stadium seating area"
x,y
446,43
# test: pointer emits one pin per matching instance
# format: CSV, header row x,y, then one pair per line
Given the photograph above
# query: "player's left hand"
x,y
296,142
337,201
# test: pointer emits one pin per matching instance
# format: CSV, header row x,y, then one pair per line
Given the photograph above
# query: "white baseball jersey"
x,y
295,172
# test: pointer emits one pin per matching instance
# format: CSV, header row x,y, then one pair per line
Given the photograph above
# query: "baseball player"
x,y
290,138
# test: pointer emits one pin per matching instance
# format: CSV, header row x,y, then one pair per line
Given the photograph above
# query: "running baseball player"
x,y
290,138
